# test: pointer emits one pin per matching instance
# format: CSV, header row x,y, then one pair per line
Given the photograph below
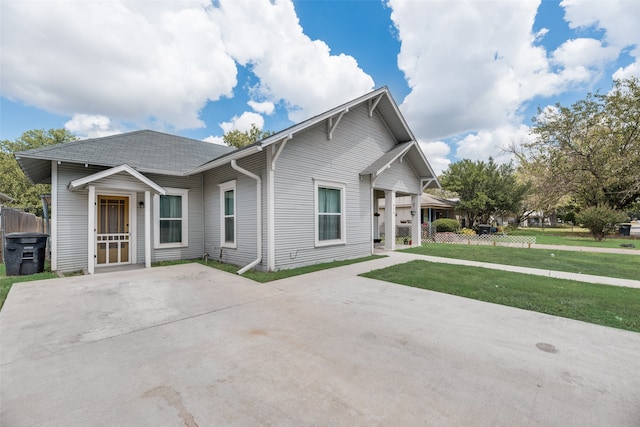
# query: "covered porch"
x,y
114,198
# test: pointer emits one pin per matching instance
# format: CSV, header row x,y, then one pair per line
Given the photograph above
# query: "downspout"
x,y
204,222
257,261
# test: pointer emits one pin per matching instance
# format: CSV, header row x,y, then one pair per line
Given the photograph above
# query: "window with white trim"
x,y
171,213
330,213
228,227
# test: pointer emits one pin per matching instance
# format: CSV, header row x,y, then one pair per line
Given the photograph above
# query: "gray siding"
x,y
246,221
400,177
72,218
196,239
357,142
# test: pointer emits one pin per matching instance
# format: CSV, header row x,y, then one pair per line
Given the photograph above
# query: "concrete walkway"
x,y
623,251
188,345
398,257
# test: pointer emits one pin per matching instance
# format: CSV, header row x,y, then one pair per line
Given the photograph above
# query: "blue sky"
x,y
468,75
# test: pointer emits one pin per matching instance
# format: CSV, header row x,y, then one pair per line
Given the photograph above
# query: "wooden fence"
x,y
14,221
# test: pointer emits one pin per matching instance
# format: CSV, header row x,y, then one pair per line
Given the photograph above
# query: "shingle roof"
x,y
143,150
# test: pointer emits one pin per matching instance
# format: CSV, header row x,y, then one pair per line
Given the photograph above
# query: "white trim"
x,y
147,229
91,229
318,183
81,182
251,175
184,193
389,220
235,155
54,215
271,221
133,197
224,187
416,224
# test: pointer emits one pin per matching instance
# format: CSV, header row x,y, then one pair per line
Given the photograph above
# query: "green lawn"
x,y
613,306
599,264
579,237
262,277
7,281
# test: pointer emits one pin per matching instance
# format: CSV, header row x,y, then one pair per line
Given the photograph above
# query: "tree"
x,y
14,182
239,139
485,189
600,220
591,150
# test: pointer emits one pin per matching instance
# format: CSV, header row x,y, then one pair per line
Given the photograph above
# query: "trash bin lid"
x,y
24,234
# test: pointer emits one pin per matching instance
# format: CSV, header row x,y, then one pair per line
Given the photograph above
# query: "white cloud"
x,y
262,107
157,64
215,140
291,67
618,18
470,66
584,52
628,71
495,143
135,61
437,152
91,126
243,122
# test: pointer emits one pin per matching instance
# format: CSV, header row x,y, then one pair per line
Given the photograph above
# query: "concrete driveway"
x,y
192,346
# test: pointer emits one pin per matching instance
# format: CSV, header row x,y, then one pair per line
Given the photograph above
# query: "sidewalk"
x,y
402,257
589,249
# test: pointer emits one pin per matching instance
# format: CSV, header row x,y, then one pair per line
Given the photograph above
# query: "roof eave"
x,y
223,160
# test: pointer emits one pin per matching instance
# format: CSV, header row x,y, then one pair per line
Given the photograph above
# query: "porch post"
x,y
147,229
91,229
416,226
389,220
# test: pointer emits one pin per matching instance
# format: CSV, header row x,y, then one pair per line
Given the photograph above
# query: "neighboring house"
x,y
302,196
431,208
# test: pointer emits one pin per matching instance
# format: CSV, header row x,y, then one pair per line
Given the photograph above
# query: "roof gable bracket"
x,y
426,182
280,148
331,125
373,103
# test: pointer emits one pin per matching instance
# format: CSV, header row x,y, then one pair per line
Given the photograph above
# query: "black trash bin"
x,y
484,229
624,229
24,253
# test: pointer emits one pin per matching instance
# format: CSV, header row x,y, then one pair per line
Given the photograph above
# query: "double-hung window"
x,y
228,214
171,218
330,213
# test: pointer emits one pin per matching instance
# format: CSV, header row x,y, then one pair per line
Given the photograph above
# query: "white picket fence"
x,y
480,239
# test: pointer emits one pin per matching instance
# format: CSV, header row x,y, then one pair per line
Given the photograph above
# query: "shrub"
x,y
600,220
444,225
467,232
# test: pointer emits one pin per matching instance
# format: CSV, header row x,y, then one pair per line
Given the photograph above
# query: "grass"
x,y
596,263
7,281
578,237
263,277
613,306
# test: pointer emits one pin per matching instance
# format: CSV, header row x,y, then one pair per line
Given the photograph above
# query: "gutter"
x,y
258,260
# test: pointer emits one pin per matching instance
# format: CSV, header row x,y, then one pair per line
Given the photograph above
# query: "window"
x,y
171,218
330,213
228,214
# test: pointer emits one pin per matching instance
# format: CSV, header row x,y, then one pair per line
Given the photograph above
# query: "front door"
x,y
112,231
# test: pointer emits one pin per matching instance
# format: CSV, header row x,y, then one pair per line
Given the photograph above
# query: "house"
x,y
431,208
302,196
